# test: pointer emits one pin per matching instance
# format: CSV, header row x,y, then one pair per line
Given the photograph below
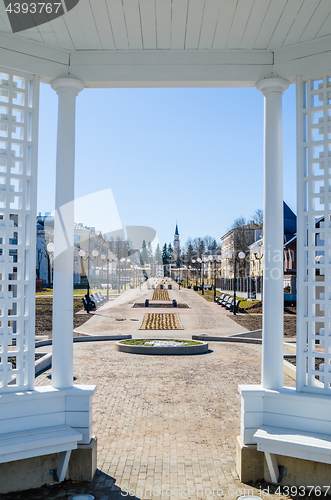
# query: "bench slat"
x,y
289,442
22,444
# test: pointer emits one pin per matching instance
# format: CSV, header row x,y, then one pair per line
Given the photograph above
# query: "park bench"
x,y
292,443
225,301
98,302
38,442
220,298
207,286
103,298
88,306
230,305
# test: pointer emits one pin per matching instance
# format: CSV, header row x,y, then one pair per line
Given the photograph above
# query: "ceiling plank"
x,y
33,34
62,34
47,33
102,21
285,22
225,20
148,23
117,19
239,24
4,23
316,21
75,30
209,23
163,23
301,21
194,23
326,27
84,13
268,27
254,23
178,23
133,24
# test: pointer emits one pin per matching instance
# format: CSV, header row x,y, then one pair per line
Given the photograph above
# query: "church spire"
x,y
176,244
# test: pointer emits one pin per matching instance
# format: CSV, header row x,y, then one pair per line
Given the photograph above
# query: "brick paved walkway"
x,y
162,422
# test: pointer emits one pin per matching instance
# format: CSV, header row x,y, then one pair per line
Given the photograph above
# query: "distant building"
x,y
176,253
86,239
237,240
290,227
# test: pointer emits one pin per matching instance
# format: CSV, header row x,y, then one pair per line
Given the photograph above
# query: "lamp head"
x,y
50,247
255,249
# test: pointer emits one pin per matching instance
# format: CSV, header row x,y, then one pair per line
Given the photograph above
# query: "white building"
x,y
268,45
84,239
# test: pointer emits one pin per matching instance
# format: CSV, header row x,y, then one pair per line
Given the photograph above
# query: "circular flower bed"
x,y
162,346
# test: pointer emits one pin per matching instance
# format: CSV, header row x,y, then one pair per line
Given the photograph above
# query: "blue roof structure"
x,y
290,222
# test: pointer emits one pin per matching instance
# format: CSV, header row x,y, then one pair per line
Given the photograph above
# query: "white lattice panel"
x,y
18,179
314,234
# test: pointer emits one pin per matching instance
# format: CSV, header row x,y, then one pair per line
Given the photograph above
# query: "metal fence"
x,y
253,285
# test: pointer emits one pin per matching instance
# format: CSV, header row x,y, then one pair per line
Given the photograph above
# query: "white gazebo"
x,y
267,44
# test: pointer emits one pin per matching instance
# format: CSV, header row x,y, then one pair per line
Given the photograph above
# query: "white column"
x,y
273,293
62,367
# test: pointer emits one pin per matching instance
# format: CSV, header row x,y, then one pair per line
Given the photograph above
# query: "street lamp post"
x,y
82,254
241,256
119,274
256,252
214,259
106,259
128,271
196,273
201,276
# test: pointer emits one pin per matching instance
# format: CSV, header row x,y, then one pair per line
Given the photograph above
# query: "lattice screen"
x,y
18,179
314,234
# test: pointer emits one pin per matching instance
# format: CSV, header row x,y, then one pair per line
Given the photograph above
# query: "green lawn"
x,y
79,292
244,304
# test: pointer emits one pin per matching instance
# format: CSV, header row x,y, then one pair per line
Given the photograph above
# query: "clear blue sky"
x,y
189,155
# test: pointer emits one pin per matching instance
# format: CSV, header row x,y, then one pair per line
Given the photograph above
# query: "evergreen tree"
x,y
143,253
165,256
158,256
150,253
170,251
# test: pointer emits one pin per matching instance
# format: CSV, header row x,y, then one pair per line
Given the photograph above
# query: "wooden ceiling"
x,y
182,25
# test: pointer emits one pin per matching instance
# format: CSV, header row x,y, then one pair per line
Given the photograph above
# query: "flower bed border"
x,y
168,351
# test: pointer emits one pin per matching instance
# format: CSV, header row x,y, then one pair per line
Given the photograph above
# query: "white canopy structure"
x,y
269,44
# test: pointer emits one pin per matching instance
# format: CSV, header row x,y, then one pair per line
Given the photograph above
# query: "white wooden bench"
x,y
37,442
291,443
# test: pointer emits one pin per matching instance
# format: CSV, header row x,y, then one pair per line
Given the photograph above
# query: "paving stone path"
x,y
166,425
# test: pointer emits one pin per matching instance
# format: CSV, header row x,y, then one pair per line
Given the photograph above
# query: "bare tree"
x,y
243,237
198,246
209,242
257,218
